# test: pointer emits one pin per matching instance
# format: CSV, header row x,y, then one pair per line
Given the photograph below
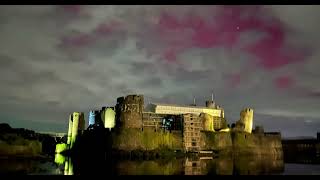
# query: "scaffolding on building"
x,y
191,132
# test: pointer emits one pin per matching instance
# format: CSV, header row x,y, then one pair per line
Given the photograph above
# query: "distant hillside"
x,y
20,141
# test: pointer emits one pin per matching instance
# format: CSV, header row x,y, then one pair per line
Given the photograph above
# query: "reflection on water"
x,y
234,166
28,166
185,166
301,169
68,167
160,167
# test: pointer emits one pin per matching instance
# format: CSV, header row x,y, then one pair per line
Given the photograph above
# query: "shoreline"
x,y
26,157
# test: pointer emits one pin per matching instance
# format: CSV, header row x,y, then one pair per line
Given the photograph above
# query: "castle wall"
x,y
136,139
217,141
242,143
261,144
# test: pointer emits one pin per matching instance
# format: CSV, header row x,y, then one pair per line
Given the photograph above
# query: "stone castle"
x,y
188,128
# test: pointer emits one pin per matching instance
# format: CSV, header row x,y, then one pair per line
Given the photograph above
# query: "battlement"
x,y
75,114
247,110
133,97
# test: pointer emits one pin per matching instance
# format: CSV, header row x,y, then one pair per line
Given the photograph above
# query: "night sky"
x,y
58,59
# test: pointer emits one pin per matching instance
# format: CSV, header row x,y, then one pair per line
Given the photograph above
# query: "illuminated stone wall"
x,y
129,111
247,143
76,125
218,141
135,139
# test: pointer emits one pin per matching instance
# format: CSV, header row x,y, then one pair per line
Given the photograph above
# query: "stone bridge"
x,y
57,136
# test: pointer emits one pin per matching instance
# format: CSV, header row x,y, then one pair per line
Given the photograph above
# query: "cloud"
x,y
59,59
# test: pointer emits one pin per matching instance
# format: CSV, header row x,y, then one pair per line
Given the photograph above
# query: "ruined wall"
x,y
129,111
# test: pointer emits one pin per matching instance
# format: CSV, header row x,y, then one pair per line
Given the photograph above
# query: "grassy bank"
x,y
14,145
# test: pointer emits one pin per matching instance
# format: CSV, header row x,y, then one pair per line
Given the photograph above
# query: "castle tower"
x,y
76,124
211,104
75,127
130,111
92,119
70,130
109,118
81,122
102,114
246,117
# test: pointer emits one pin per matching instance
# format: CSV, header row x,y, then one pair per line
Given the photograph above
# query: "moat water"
x,y
182,166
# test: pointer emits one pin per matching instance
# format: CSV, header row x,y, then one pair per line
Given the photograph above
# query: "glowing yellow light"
x,y
109,118
61,147
59,159
225,130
